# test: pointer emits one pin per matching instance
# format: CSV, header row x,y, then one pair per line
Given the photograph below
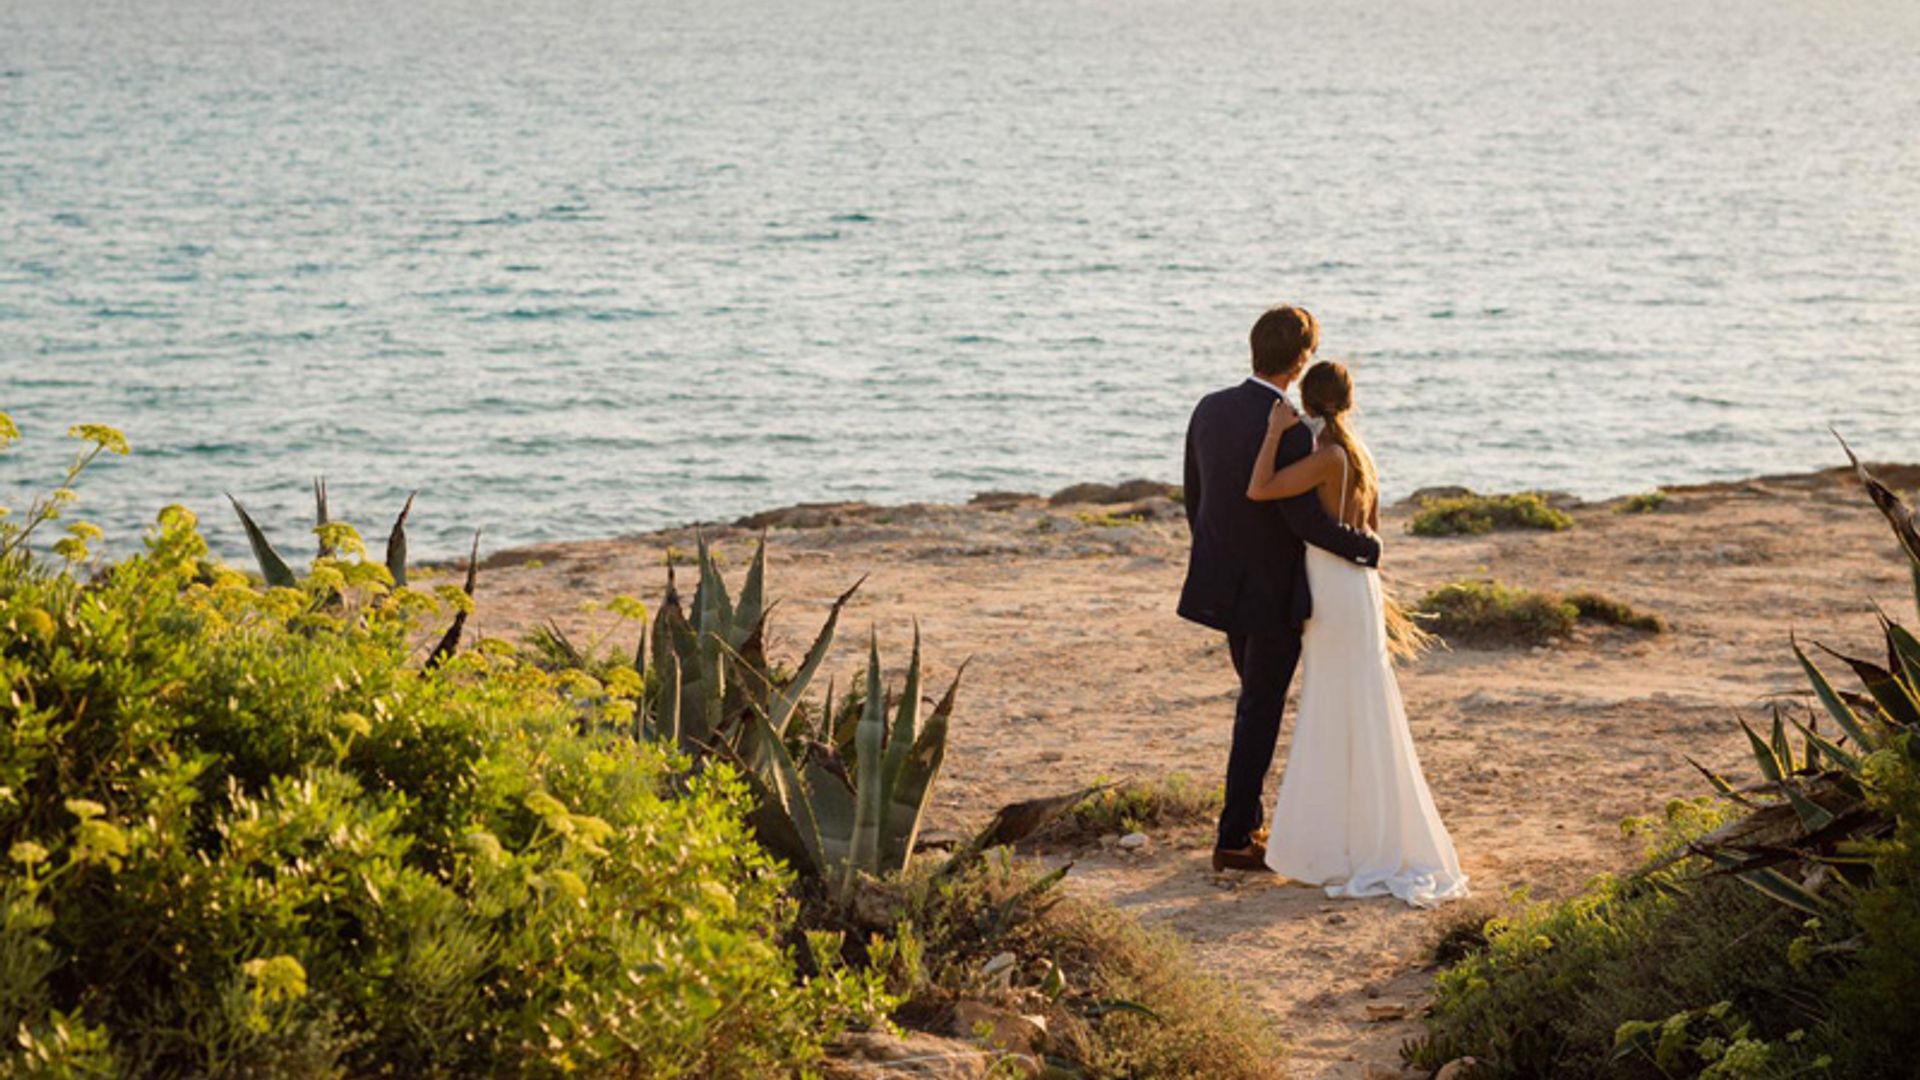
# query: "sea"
x,y
579,268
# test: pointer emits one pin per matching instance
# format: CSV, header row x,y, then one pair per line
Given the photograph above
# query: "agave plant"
x,y
835,804
711,667
1809,814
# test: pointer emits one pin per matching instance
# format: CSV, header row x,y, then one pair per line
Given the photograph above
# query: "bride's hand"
x,y
1281,417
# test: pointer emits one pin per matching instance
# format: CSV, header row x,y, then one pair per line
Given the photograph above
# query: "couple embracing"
x,y
1285,561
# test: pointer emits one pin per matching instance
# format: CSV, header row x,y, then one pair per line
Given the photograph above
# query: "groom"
x,y
1247,574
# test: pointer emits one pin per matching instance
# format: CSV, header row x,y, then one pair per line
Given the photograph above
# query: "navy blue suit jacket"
x,y
1247,573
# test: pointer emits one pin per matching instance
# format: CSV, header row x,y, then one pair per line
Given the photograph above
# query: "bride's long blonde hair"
x,y
1327,392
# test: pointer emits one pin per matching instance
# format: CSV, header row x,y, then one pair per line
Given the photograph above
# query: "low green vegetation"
x,y
298,825
1119,1001
1490,614
1770,933
1103,519
1605,610
1645,502
1472,514
1176,800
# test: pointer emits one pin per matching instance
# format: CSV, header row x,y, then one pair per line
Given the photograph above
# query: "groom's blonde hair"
x,y
1282,340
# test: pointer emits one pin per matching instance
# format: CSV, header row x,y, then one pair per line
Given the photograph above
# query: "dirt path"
x,y
1080,670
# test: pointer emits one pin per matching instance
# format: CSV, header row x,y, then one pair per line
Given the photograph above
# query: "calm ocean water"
x,y
582,267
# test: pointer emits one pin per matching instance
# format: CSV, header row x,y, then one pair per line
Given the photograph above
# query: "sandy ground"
x,y
1081,671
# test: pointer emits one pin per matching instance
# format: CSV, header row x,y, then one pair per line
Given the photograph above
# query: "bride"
x,y
1354,813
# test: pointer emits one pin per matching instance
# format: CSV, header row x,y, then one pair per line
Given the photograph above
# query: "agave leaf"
x,y
868,789
320,516
785,700
1892,698
1777,741
702,726
273,568
1763,754
666,707
1719,783
1015,822
1842,714
397,544
906,720
834,812
712,610
774,827
1900,516
450,641
1784,889
1113,1005
794,801
1844,760
663,631
752,607
1813,816
911,791
1906,650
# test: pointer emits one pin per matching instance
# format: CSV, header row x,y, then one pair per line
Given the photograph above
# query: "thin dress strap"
x,y
1343,485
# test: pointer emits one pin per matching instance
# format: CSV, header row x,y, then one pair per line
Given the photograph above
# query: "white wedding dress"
x,y
1354,812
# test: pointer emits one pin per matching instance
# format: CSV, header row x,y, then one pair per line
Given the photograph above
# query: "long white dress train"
x,y
1354,812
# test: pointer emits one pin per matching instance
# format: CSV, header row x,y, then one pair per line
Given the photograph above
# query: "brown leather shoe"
x,y
1252,858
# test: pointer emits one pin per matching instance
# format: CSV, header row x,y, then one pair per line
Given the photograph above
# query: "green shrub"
x,y
247,835
1488,613
1474,514
1174,800
1606,610
1550,991
1644,503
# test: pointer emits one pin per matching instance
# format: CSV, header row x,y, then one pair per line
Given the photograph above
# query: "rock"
x,y
806,516
1337,920
875,906
999,970
875,1055
1457,1069
1001,500
999,1029
1109,494
1133,841
1387,1011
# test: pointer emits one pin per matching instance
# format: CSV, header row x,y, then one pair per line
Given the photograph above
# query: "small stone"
x,y
1109,840
1133,841
999,970
999,1029
1380,1013
1336,920
1457,1069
